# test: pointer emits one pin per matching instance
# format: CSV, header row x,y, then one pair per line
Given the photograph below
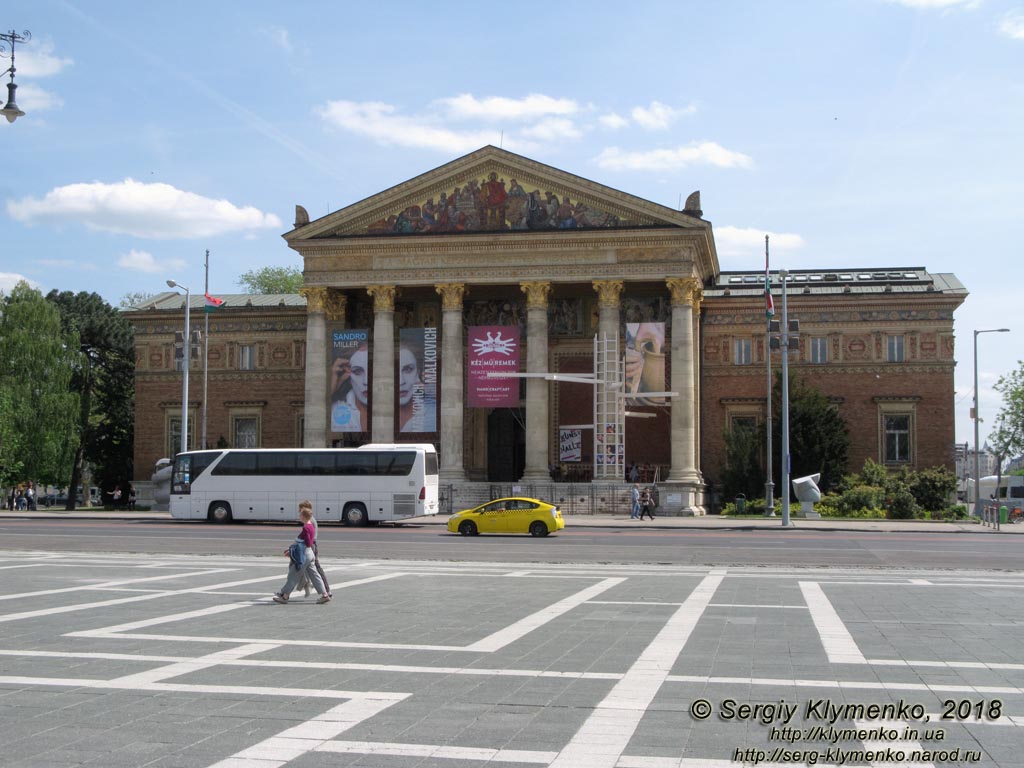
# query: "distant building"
x,y
497,260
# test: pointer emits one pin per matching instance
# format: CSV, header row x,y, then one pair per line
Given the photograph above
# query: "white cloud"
x,y
553,128
143,210
143,261
739,243
379,121
929,5
465,106
1012,25
32,98
658,116
279,36
695,153
613,121
36,59
10,279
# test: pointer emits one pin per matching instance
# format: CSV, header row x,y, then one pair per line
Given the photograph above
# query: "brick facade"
x,y
271,394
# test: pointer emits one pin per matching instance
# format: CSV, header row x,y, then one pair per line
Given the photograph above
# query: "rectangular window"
x,y
741,352
748,423
174,434
246,432
246,357
894,349
819,350
897,438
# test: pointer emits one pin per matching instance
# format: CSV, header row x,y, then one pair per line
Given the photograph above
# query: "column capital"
x,y
383,297
316,296
335,305
608,292
536,294
451,295
686,290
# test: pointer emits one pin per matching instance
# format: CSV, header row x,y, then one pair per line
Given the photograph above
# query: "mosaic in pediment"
x,y
491,204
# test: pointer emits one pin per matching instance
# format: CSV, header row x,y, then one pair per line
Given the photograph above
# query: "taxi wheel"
x,y
537,528
468,528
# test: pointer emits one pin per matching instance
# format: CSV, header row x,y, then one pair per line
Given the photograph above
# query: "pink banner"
x,y
493,349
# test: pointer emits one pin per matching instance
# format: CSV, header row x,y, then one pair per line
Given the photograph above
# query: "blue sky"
x,y
857,133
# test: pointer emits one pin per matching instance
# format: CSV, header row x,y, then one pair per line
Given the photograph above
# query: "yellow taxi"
x,y
515,515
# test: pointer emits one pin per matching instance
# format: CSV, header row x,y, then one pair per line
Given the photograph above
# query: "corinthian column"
x,y
537,427
314,433
452,405
687,295
608,293
383,419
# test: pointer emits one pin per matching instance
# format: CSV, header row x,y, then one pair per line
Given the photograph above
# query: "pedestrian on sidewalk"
x,y
634,502
646,505
302,560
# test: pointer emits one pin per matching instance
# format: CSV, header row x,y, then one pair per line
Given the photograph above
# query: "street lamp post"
x,y
10,110
786,464
977,459
187,352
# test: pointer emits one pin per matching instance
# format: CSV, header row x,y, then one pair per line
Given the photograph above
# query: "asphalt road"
x,y
576,544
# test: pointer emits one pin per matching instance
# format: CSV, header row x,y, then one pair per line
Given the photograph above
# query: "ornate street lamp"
x,y
10,110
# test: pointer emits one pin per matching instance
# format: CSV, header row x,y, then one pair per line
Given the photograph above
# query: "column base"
x,y
681,499
451,476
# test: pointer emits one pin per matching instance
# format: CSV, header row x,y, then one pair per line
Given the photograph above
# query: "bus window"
x,y
320,463
395,464
431,461
237,463
276,463
356,463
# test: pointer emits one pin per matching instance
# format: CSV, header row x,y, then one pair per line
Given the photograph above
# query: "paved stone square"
x,y
143,660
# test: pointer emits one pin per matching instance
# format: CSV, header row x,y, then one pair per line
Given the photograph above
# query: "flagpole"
x,y
769,486
206,341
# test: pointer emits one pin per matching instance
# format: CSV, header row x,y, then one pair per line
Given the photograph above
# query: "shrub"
x,y
900,503
860,497
874,474
933,487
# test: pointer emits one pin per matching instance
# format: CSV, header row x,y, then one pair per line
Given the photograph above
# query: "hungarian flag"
x,y
212,303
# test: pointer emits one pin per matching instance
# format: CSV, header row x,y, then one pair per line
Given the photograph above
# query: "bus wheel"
x,y
537,528
355,515
467,528
220,512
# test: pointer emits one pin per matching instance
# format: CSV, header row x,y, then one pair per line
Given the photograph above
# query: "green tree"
x,y
819,440
36,364
104,382
272,280
743,472
134,299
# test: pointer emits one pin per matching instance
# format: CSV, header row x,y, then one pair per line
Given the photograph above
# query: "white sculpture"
x,y
162,483
807,493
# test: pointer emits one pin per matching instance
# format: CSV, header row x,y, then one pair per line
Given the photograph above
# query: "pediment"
x,y
491,191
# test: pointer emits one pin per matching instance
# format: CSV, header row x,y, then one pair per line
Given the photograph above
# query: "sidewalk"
x,y
706,523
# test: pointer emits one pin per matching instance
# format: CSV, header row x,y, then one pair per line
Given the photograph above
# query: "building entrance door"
x,y
506,445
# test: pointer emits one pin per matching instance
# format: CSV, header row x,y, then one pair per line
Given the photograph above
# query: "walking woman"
x,y
302,560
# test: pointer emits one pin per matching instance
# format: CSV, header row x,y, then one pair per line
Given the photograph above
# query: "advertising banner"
x,y
416,381
645,362
570,444
349,380
493,349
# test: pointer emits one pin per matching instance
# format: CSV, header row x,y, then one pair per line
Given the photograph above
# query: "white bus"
x,y
355,486
1011,490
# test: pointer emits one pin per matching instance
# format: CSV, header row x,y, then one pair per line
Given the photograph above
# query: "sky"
x,y
855,133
